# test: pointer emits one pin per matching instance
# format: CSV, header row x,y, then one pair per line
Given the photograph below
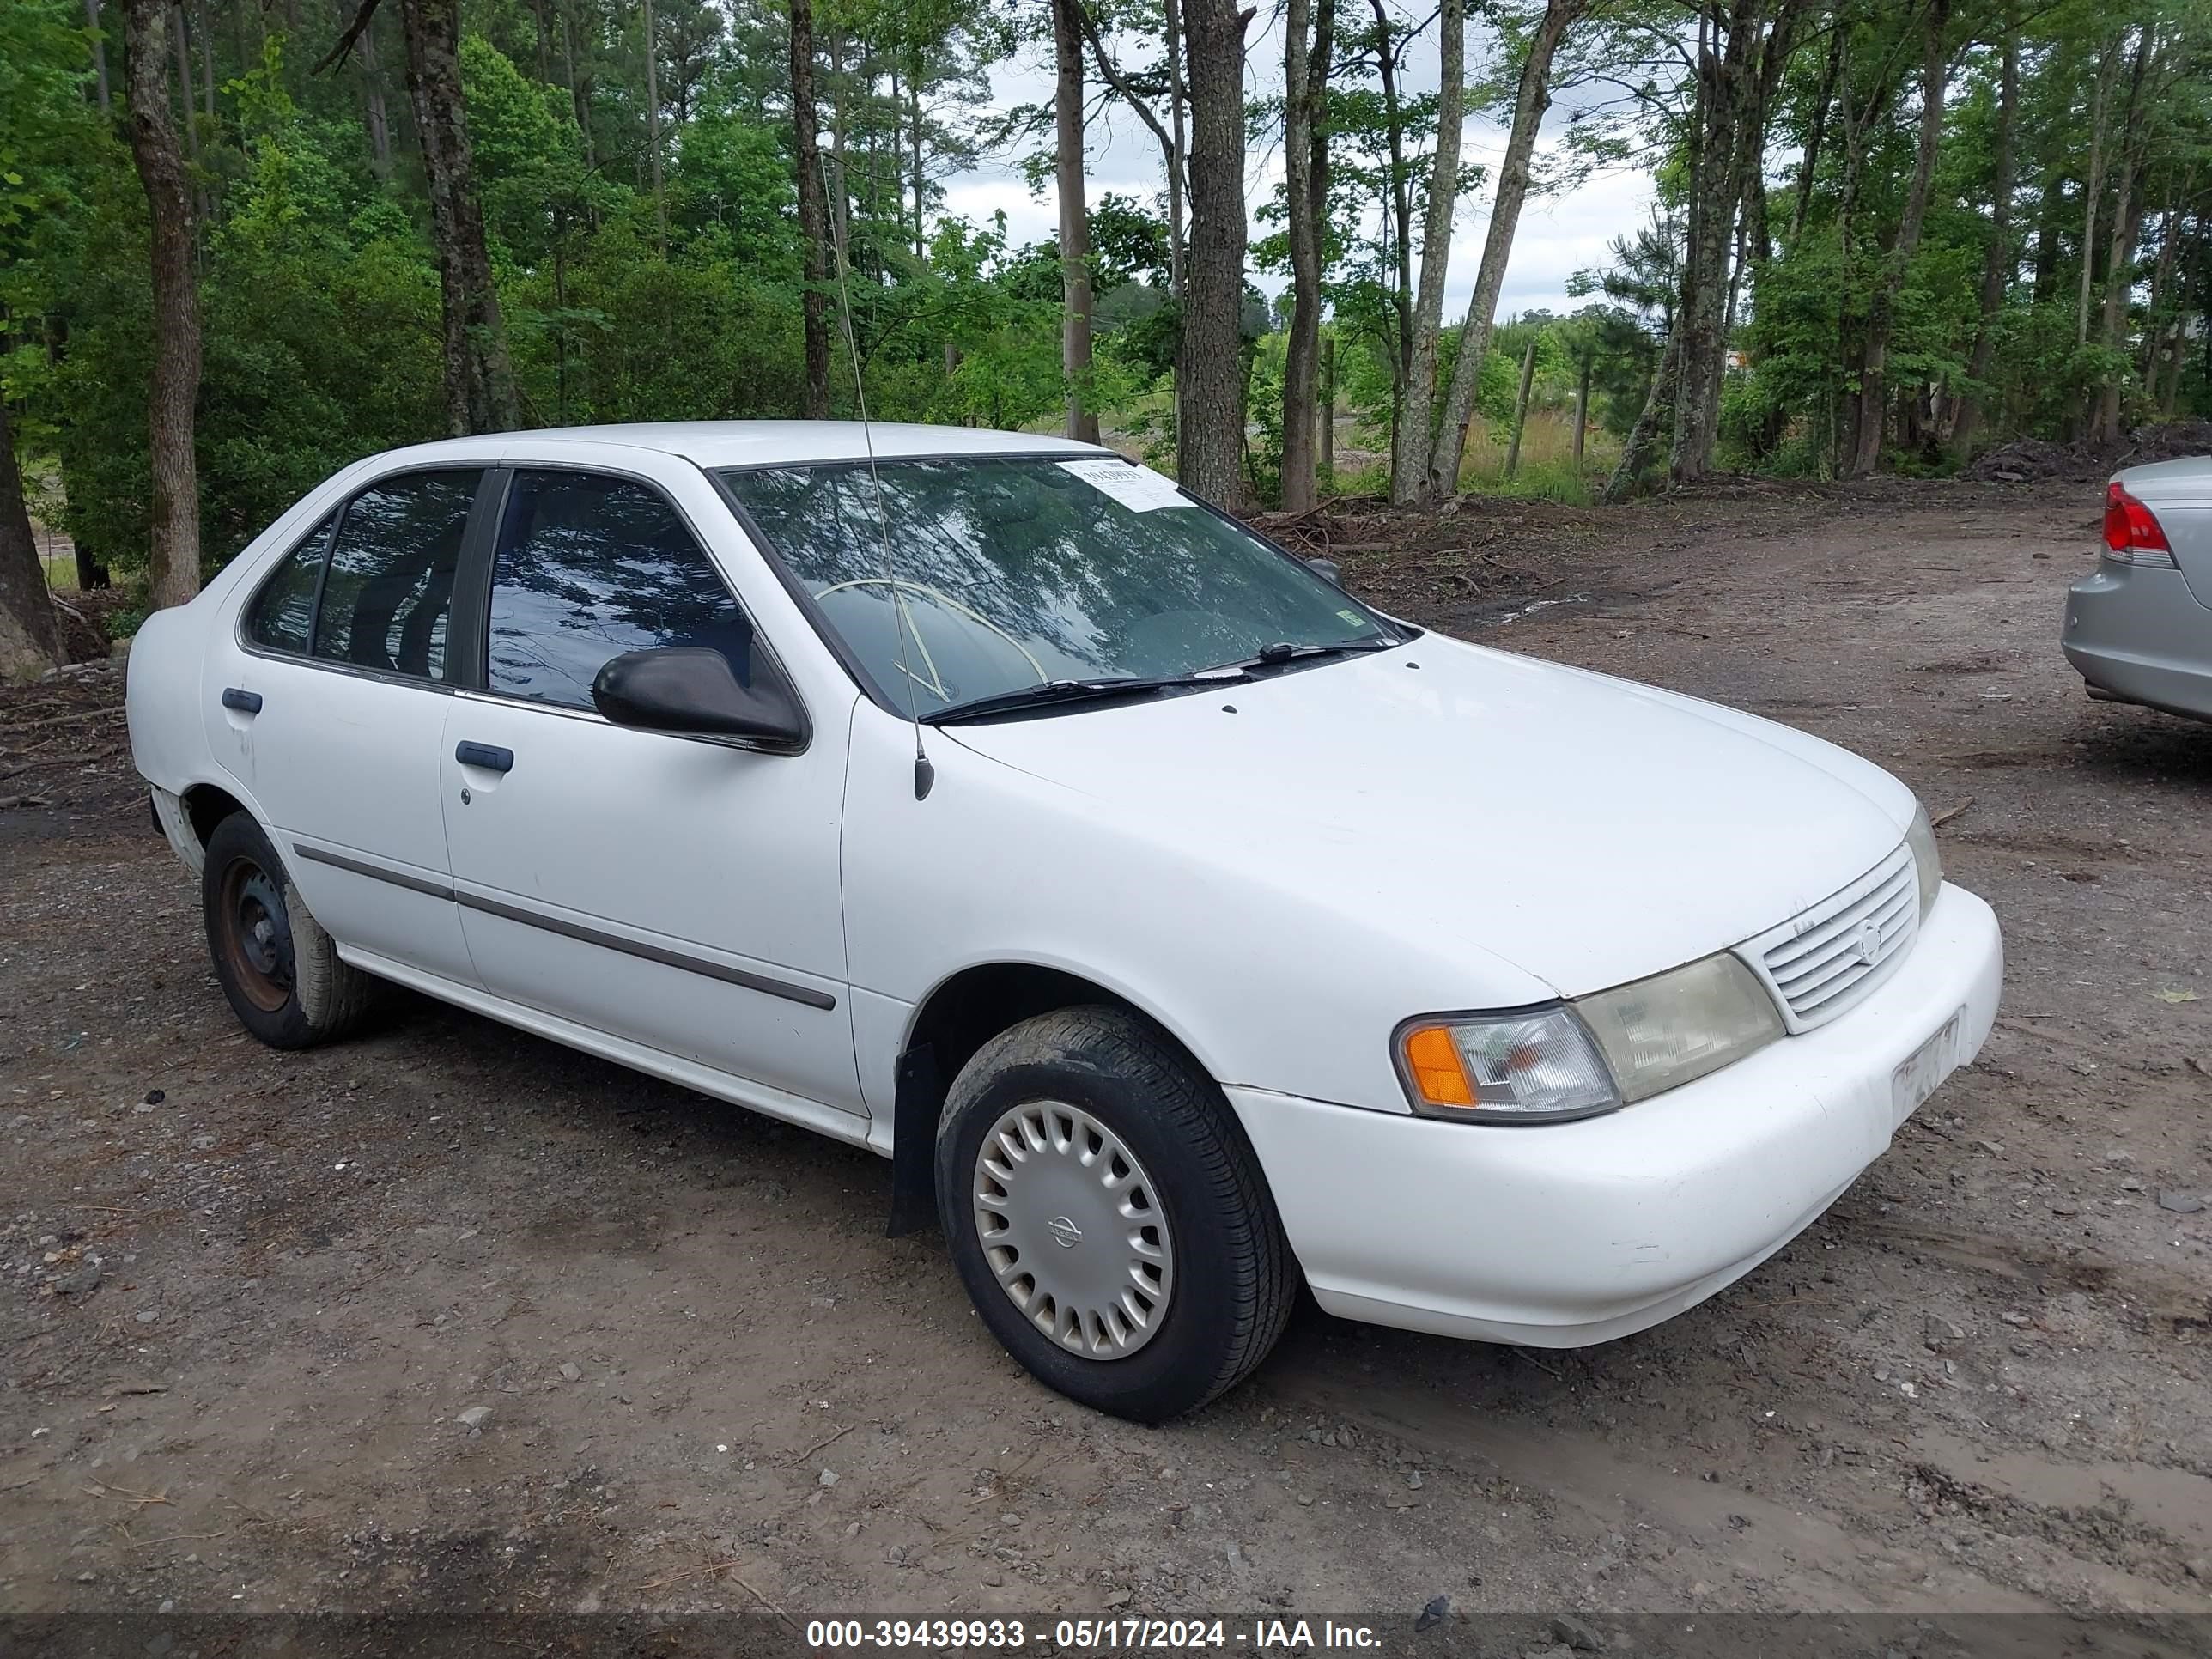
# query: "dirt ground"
x,y
248,1296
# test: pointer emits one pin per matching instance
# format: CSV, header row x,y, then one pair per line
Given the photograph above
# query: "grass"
x,y
1546,471
61,574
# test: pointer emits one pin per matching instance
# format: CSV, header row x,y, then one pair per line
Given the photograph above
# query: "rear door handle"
x,y
490,757
237,697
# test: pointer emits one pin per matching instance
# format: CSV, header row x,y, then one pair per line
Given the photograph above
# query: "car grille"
x,y
1821,962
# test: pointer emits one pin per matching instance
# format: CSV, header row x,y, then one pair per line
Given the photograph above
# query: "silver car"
x,y
2140,628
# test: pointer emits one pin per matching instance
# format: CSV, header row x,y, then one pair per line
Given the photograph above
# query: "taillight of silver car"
x,y
2132,532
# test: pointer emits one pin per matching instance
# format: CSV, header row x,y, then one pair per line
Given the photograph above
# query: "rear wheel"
x,y
279,969
1108,1216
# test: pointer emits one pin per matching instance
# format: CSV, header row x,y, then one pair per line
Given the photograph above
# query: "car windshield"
x,y
1016,572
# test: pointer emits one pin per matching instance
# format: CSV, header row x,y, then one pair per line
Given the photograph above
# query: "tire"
x,y
275,964
1077,1089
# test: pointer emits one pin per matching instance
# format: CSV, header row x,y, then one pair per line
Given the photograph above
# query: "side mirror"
x,y
1328,569
690,691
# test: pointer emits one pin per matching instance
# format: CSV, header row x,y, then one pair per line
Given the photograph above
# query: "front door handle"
x,y
237,697
488,756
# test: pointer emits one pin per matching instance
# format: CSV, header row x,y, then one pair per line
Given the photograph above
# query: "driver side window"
x,y
589,566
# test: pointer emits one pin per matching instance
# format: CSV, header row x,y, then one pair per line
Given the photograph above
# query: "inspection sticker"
x,y
1137,488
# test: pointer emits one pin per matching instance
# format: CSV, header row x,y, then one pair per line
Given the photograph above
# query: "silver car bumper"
x,y
2136,633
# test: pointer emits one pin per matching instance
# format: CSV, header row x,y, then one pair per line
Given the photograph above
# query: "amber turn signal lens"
x,y
1433,1063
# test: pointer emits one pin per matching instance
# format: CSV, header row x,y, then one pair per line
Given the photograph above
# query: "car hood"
x,y
1587,830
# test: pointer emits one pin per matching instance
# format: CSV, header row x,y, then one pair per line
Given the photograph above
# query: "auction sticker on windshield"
x,y
1137,488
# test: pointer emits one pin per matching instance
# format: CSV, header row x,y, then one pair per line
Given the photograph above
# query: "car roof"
x,y
764,443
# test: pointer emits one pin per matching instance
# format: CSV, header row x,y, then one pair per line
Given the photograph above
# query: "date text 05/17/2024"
x,y
1077,1635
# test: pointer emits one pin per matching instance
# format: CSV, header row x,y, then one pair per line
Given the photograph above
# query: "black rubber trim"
x,y
630,947
374,871
917,1101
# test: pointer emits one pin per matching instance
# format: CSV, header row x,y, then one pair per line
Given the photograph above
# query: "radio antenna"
x,y
924,774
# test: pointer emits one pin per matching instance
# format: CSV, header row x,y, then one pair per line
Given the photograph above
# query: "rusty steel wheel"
x,y
281,971
255,934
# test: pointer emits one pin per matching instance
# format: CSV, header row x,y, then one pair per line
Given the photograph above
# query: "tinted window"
x,y
284,609
390,590
589,567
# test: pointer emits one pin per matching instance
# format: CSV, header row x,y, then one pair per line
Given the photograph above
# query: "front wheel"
x,y
279,969
1108,1216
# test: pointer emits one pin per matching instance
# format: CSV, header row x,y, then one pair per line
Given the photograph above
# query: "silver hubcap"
x,y
1071,1231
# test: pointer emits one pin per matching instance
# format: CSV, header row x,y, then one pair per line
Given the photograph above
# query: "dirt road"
x,y
248,1296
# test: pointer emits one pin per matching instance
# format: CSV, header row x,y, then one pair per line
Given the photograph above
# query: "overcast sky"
x,y
1558,235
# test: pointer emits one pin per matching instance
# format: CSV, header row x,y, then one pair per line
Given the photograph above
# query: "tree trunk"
x,y
1178,157
653,127
1308,45
376,120
840,216
1400,226
813,217
579,95
1818,132
1521,408
2119,264
189,127
2043,278
2161,273
1533,98
920,173
30,644
1999,260
1074,221
1582,405
174,545
1328,410
99,54
1416,432
480,391
1935,74
2092,183
1209,370
205,36
539,11
1736,82
1658,407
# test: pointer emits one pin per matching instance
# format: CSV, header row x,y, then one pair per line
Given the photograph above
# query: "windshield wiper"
x,y
1066,691
1271,656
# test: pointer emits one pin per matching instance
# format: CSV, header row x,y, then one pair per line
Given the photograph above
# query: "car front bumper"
x,y
2136,633
1563,1234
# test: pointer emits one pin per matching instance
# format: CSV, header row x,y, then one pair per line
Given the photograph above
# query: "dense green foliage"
x,y
625,300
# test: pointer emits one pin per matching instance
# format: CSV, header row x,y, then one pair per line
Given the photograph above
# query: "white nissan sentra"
x,y
1180,926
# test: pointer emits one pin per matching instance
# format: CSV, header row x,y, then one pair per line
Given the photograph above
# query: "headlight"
x,y
1574,1060
1927,860
1667,1029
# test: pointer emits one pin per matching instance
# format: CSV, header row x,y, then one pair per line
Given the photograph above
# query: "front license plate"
x,y
1931,1062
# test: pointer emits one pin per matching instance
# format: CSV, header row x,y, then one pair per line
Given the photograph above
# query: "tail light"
x,y
2132,532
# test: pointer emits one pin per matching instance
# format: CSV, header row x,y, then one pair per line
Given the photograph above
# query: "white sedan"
x,y
1180,926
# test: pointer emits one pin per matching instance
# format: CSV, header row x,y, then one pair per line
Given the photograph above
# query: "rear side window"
x,y
389,596
589,567
284,610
